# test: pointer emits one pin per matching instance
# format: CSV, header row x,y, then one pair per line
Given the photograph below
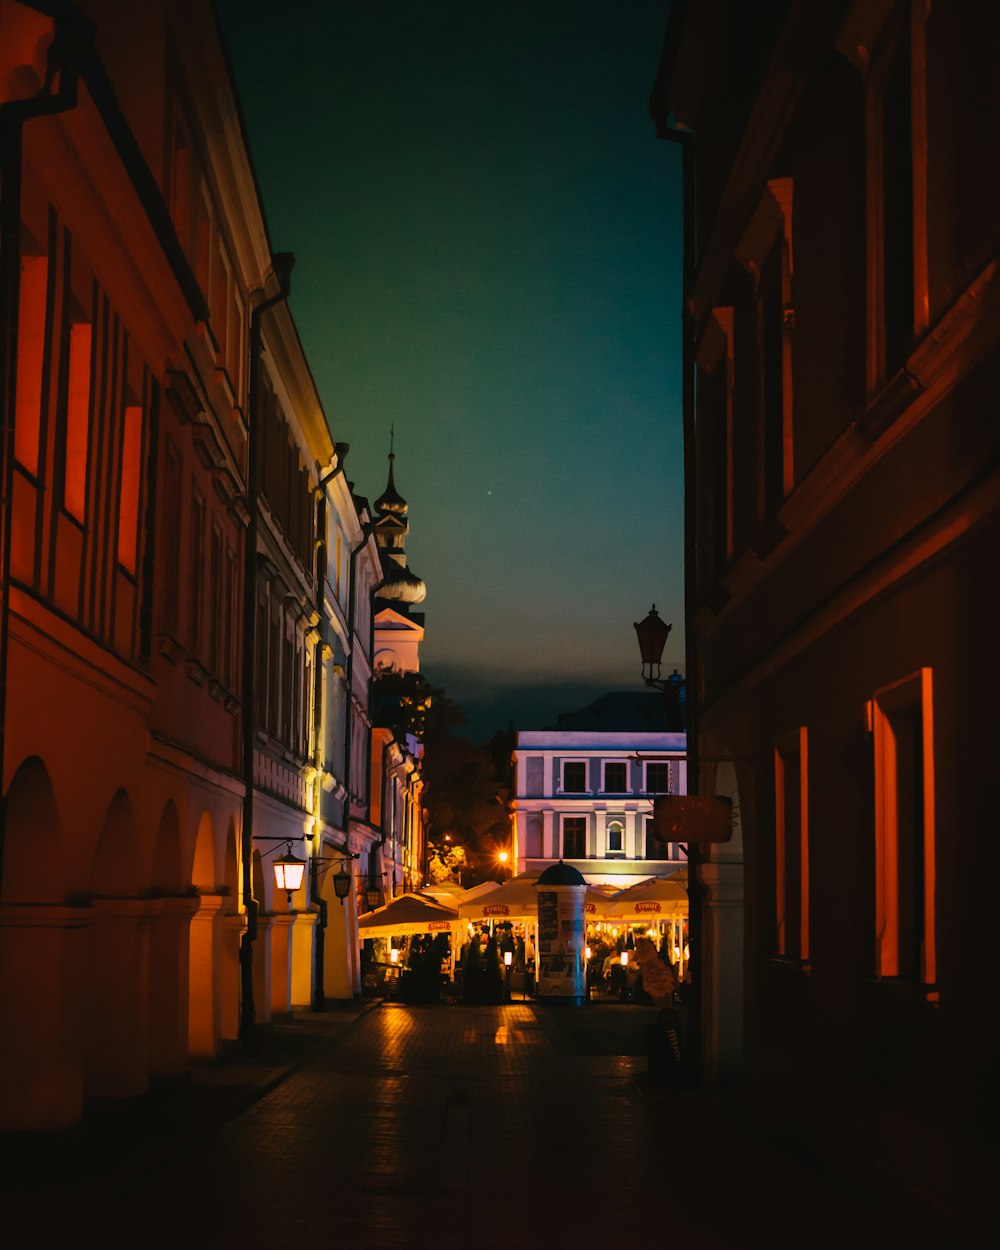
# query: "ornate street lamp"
x,y
342,879
652,633
288,873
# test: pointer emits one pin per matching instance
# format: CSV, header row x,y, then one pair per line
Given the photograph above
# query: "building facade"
x,y
585,795
842,309
179,608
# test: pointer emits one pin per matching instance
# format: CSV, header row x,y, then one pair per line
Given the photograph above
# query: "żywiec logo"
x,y
647,906
434,925
496,909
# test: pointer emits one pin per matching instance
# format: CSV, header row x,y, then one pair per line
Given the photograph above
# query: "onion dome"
x,y
391,500
399,583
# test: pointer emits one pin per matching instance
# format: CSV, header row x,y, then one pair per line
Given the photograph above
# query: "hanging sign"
x,y
692,818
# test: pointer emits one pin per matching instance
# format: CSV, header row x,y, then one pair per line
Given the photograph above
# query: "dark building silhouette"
x,y
842,323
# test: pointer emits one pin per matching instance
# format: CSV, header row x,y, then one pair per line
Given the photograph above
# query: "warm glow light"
x,y
624,958
586,952
508,958
502,857
288,873
394,956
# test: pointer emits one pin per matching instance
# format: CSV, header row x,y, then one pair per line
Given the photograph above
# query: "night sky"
x,y
487,236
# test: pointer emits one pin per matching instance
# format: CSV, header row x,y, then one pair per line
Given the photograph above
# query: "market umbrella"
x,y
516,899
657,898
407,914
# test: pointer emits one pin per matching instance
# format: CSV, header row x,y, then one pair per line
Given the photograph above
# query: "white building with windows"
x,y
584,791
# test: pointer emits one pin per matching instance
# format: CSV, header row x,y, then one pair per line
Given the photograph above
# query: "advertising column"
x,y
562,894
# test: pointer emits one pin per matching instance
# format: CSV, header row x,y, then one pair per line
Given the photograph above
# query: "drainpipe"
x,y
13,116
282,268
322,910
685,138
366,532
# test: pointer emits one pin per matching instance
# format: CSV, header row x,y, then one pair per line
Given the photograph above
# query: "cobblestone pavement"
x,y
453,1127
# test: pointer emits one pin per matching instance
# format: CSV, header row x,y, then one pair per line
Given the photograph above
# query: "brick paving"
x,y
453,1127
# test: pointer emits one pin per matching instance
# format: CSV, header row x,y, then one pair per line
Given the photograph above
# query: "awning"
x,y
656,898
407,914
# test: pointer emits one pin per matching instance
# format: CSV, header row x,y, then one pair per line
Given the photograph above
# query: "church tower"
x,y
398,629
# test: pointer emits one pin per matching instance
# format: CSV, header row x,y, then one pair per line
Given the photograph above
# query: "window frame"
x,y
562,775
646,765
866,40
794,745
574,816
605,764
902,698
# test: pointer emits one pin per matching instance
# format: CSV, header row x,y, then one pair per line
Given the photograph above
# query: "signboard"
x,y
692,818
560,943
496,909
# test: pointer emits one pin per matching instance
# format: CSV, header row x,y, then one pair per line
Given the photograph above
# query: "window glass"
x,y
574,837
616,777
657,778
575,776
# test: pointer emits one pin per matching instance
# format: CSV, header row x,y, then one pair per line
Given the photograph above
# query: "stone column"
x,y
303,964
281,963
116,1006
228,975
262,956
722,969
41,963
169,982
204,1012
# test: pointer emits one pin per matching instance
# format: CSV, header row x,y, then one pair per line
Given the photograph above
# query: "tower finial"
x,y
392,440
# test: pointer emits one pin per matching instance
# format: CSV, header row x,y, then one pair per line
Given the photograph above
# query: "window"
x,y
616,838
901,720
658,778
130,487
196,587
715,405
616,777
893,58
30,359
655,849
216,636
534,774
792,846
575,776
574,837
171,555
533,836
231,617
765,251
74,495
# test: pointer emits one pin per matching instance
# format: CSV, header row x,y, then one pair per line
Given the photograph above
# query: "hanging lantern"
x,y
652,634
288,872
341,884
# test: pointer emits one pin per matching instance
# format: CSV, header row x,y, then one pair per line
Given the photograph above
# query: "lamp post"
x,y
695,825
652,633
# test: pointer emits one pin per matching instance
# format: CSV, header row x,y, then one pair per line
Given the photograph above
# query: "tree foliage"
x,y
468,786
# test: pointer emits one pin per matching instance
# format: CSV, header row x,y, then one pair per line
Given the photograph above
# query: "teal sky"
x,y
487,239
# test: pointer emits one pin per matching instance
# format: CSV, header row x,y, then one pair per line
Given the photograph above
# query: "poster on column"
x,y
560,944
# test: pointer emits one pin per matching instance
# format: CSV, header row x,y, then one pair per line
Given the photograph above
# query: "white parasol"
x,y
407,914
